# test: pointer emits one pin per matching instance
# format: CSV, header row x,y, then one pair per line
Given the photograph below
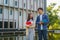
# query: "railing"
x,y
15,33
23,30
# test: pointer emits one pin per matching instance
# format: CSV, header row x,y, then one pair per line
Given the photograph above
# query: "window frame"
x,y
16,3
1,10
6,1
11,12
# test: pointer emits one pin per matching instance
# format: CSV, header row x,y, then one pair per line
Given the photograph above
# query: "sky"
x,y
54,1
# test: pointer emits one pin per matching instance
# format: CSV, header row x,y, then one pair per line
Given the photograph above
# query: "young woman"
x,y
30,32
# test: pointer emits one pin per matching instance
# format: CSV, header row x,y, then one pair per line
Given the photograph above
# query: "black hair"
x,y
40,9
29,17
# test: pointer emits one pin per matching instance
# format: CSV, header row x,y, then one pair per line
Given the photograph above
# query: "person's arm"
x,y
37,20
33,25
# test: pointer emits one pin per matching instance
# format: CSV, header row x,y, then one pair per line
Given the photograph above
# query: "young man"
x,y
41,22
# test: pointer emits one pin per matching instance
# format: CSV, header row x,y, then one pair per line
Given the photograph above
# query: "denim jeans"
x,y
42,33
30,35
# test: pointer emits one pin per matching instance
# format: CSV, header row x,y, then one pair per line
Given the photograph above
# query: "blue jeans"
x,y
42,34
30,34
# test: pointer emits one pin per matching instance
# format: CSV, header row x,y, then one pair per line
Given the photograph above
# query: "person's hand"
x,y
27,26
41,23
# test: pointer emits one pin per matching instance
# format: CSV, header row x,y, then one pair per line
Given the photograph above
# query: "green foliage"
x,y
53,17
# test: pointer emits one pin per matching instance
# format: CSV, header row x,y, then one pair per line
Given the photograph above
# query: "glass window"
x,y
6,1
24,4
5,24
15,3
10,12
0,24
0,10
20,13
11,24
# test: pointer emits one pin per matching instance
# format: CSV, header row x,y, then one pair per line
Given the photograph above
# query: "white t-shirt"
x,y
41,20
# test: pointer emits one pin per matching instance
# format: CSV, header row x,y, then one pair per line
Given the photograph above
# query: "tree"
x,y
53,17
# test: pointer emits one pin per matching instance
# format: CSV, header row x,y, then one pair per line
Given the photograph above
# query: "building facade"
x,y
13,13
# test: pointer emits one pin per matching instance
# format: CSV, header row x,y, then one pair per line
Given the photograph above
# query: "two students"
x,y
41,22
